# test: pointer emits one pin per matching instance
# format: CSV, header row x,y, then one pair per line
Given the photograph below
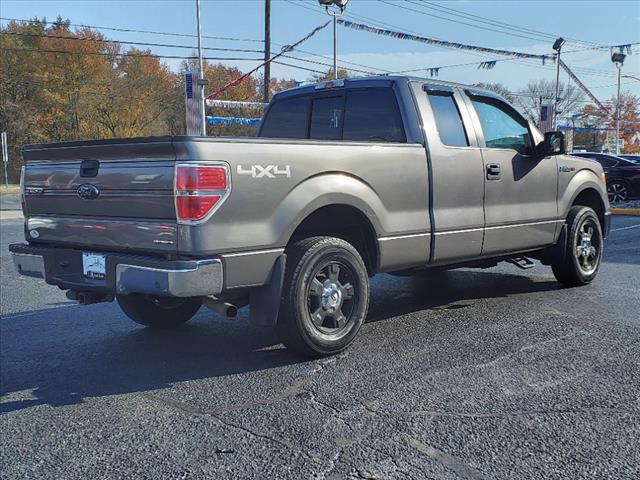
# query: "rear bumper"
x,y
124,273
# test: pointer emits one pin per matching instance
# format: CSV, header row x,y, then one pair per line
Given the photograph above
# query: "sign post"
x,y
193,103
5,157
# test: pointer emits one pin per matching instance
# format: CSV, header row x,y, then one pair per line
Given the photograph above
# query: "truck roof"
x,y
380,81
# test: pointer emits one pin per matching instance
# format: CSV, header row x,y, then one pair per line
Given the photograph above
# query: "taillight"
x,y
199,190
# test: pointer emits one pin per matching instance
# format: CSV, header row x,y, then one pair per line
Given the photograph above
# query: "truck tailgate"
x,y
114,194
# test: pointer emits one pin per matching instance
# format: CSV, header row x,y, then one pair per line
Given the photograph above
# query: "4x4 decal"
x,y
267,171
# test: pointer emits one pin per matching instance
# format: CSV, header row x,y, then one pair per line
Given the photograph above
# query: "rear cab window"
x,y
448,120
369,114
286,118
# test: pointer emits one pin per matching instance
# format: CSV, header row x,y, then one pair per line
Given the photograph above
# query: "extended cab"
x,y
346,179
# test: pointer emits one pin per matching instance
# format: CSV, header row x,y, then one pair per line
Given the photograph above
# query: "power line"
x,y
124,42
350,14
174,45
132,30
491,21
142,55
422,12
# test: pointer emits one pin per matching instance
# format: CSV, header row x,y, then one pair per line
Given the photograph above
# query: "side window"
x,y
448,120
326,118
286,119
372,115
501,127
606,161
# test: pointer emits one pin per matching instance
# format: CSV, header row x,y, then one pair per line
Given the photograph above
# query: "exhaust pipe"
x,y
220,307
88,298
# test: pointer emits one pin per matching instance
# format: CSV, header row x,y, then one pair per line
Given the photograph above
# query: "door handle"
x,y
493,171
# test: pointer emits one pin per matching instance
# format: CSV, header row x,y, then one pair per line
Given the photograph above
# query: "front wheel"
x,y
158,312
583,248
325,296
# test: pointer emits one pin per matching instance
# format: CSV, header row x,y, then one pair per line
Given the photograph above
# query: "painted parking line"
x,y
625,228
11,215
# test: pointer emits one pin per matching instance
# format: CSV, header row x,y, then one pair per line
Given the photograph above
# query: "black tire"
x,y
326,280
582,257
617,191
158,312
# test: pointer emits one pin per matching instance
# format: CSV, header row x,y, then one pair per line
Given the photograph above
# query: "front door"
x,y
520,201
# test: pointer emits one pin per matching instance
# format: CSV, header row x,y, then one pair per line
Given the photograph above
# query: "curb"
x,y
625,211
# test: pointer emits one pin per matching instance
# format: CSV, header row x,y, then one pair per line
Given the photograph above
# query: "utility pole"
x,y
201,81
557,46
267,51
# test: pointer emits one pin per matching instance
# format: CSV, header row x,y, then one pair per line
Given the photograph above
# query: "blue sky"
x,y
585,22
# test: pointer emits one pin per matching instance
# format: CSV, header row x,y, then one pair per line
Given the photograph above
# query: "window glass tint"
x,y
501,128
326,118
448,120
372,115
287,119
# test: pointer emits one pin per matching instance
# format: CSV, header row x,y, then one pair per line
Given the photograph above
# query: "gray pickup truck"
x,y
346,179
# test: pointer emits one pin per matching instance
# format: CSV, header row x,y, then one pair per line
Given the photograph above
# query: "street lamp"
x,y
618,59
335,13
557,46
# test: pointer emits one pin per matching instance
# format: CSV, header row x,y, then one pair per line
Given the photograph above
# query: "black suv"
x,y
623,176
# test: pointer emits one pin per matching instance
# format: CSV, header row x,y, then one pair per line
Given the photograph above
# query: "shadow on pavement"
x,y
450,290
61,356
63,360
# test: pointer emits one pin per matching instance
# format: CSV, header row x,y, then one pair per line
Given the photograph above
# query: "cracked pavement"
x,y
470,374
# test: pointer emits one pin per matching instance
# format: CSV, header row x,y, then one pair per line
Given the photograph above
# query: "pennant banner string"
x,y
444,43
584,88
285,49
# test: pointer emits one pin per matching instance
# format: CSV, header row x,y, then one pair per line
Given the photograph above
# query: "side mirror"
x,y
554,143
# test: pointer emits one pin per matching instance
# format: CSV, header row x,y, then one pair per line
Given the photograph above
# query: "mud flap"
x,y
265,300
557,253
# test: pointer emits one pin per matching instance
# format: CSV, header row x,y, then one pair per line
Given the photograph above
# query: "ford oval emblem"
x,y
88,191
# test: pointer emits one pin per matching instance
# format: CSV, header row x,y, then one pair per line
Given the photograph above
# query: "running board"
x,y
521,262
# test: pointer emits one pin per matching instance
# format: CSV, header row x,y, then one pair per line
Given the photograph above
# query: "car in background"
x,y
623,175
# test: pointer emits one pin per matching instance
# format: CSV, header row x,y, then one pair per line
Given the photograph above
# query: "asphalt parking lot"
x,y
487,374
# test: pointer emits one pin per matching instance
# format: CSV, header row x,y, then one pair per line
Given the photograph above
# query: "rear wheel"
x,y
325,296
583,248
618,191
158,312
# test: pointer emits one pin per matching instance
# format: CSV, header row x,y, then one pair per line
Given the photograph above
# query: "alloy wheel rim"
x,y
587,247
617,192
331,297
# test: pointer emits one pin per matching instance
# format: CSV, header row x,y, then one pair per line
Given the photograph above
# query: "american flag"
x,y
546,118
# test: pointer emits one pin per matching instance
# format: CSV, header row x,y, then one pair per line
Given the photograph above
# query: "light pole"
x,y
557,46
335,13
202,82
618,59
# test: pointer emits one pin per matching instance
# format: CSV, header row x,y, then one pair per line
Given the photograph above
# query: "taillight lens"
x,y
199,189
200,177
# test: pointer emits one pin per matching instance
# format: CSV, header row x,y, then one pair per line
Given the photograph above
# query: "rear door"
x,y
458,184
520,187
